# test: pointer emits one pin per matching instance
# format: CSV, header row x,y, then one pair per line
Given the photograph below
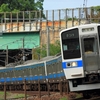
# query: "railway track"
x,y
34,95
93,98
53,91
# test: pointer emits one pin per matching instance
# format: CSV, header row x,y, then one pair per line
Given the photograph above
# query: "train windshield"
x,y
70,44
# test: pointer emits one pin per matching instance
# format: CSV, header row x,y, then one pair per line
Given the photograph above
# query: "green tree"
x,y
17,6
42,51
55,48
21,5
4,8
95,14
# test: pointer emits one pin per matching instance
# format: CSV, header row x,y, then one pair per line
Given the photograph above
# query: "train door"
x,y
90,54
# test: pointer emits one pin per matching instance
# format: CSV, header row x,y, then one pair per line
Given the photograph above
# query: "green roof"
x,y
15,40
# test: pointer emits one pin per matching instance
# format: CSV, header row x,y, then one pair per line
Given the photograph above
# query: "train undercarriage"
x,y
89,85
89,79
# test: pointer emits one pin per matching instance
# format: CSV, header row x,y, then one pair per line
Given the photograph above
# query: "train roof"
x,y
81,25
31,62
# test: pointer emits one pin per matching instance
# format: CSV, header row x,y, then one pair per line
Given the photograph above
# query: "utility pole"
x,y
48,42
6,56
23,51
6,59
85,9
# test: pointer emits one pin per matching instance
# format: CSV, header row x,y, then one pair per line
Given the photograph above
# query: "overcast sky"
x,y
62,4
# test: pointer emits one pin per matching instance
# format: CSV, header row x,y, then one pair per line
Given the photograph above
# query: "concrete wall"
x,y
54,28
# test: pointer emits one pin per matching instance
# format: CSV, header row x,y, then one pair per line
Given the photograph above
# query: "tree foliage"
x,y
54,50
95,14
4,8
20,5
17,6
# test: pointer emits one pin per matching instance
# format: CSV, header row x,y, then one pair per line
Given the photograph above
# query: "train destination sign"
x,y
70,34
88,29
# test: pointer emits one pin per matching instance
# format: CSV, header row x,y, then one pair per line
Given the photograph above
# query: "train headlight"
x,y
73,64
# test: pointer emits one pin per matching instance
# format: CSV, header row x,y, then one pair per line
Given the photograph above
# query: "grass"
x,y
77,97
19,96
11,95
64,98
2,94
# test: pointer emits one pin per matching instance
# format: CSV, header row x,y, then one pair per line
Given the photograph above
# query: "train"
x,y
80,51
79,62
48,69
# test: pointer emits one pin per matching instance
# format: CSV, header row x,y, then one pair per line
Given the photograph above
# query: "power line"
x,y
84,3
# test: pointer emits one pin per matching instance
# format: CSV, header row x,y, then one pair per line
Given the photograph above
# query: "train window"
x,y
72,44
71,48
89,45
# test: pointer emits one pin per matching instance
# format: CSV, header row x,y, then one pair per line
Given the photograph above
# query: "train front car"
x,y
80,47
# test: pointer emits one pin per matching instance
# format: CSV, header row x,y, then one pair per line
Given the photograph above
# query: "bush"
x,y
42,51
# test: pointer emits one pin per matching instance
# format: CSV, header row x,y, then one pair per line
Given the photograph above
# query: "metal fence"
x,y
57,19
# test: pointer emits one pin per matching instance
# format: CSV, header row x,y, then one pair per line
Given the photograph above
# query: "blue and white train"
x,y
80,50
45,69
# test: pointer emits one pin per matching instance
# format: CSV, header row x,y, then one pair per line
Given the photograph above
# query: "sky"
x,y
63,4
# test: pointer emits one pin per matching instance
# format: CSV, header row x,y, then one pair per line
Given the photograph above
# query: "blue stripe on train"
x,y
79,64
57,75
